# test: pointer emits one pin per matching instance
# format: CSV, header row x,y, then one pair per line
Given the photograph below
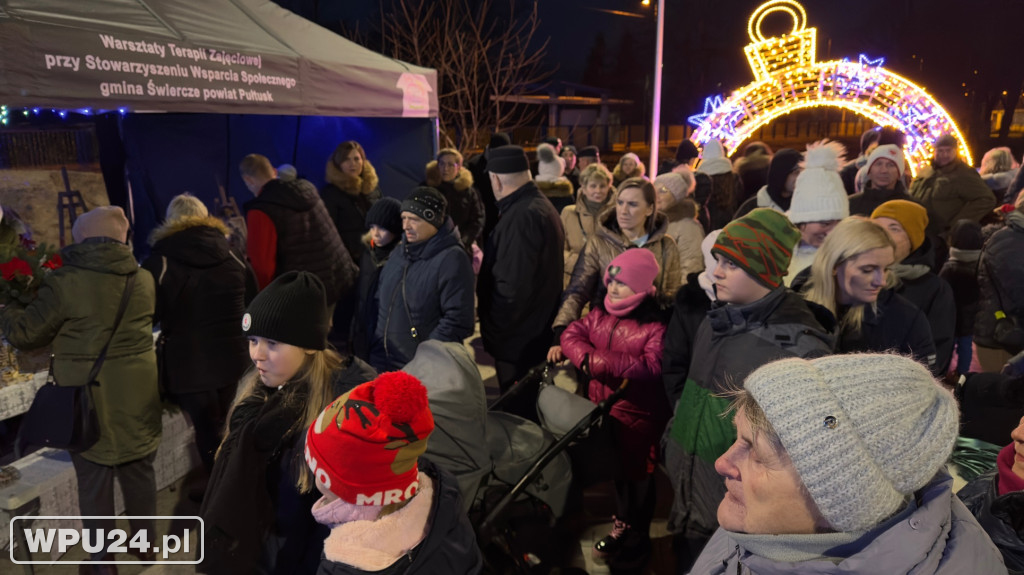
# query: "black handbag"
x,y
64,417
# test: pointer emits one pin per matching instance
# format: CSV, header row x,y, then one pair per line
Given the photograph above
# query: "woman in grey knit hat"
x,y
839,467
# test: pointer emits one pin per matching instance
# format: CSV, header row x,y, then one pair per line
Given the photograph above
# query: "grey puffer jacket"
x,y
939,537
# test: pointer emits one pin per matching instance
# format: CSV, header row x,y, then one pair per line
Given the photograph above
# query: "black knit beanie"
x,y
292,310
427,203
966,235
386,213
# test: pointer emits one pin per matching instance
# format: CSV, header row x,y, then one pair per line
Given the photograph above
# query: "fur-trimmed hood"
x,y
362,185
620,176
462,182
169,228
560,188
198,242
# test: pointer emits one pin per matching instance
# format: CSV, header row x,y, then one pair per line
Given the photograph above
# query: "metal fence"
x,y
35,148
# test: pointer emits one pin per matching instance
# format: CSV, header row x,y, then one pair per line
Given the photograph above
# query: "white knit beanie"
x,y
713,160
864,431
819,195
889,152
550,166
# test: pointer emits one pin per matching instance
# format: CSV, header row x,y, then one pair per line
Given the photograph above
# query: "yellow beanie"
x,y
912,216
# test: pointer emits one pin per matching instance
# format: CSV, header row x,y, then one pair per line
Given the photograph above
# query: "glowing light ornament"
x,y
788,77
3,115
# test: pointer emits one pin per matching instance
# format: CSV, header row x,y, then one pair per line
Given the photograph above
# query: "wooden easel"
x,y
70,200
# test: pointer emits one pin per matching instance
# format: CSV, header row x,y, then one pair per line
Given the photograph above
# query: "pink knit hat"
x,y
635,267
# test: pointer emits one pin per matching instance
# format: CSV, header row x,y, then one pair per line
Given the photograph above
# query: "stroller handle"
x,y
602,409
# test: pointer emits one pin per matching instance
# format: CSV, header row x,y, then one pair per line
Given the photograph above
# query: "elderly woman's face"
x,y
764,491
1018,446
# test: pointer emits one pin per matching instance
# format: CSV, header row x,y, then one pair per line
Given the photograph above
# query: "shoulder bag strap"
x,y
129,282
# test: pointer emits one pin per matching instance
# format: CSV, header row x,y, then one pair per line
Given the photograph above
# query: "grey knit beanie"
x,y
864,431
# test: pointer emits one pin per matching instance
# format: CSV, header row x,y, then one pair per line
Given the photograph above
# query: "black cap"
x,y
946,140
589,152
386,213
292,310
508,160
427,203
571,148
499,139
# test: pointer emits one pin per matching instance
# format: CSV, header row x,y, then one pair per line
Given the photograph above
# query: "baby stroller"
x,y
515,476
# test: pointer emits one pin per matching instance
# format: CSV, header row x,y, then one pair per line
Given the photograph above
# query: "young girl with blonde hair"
x,y
256,509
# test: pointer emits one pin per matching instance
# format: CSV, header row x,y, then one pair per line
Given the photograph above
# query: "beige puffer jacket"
x,y
601,248
579,223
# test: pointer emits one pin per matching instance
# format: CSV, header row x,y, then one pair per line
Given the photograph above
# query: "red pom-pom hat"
x,y
364,446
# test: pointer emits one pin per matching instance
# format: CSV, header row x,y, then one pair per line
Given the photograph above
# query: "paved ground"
x,y
589,523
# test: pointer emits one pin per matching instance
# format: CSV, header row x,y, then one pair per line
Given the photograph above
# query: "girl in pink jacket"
x,y
621,338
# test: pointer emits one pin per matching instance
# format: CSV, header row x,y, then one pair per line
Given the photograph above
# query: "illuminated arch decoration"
x,y
788,78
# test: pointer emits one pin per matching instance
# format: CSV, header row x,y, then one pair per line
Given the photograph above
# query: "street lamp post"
x,y
656,104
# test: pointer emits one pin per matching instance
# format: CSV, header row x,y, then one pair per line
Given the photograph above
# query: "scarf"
x,y
1008,480
964,256
594,207
626,305
338,511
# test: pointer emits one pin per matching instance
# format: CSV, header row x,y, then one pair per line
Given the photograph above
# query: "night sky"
x,y
937,43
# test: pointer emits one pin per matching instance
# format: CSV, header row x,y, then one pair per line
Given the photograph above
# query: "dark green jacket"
x,y
75,310
951,193
731,343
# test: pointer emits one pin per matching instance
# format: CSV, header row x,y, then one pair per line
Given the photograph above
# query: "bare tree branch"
x,y
477,55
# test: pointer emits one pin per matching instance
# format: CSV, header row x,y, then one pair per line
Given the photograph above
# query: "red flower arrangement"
x,y
23,271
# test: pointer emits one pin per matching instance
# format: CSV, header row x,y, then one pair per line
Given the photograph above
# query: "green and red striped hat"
x,y
761,243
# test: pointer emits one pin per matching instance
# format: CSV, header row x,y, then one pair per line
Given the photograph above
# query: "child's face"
x,y
276,362
734,285
619,291
380,236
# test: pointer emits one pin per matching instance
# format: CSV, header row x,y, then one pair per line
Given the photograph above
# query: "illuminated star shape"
x,y
865,61
711,105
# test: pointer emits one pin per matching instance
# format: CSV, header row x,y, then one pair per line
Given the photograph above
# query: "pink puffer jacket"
x,y
619,348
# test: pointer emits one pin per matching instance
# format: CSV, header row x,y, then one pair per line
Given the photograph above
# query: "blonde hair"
x,y
186,206
996,160
851,238
596,171
450,152
310,387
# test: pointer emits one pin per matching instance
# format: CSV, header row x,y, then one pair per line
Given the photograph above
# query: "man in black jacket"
x,y
290,229
521,277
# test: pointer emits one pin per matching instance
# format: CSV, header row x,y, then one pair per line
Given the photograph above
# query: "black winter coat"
x,y
464,204
347,200
306,238
253,514
897,325
691,307
933,296
202,290
426,292
1002,517
520,281
864,203
364,323
962,277
477,165
1001,280
449,547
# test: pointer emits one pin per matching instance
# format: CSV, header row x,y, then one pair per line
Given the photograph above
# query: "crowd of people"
x,y
798,333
